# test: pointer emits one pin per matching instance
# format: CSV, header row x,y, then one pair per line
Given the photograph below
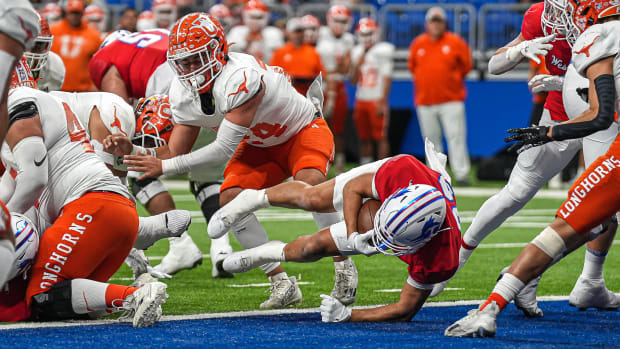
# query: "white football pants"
x,y
451,118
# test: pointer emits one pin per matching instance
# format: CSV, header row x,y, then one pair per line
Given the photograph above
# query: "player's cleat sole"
x,y
143,307
345,282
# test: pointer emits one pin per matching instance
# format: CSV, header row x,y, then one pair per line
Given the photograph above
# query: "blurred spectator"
x,y
128,20
439,61
255,37
299,60
146,21
311,31
236,9
372,62
75,42
334,46
164,13
52,12
223,15
96,18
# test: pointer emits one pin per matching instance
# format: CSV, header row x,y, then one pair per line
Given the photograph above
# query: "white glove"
x,y
530,49
362,243
333,311
544,82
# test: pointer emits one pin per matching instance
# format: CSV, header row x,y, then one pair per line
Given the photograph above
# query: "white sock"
x,y
278,277
88,295
250,233
464,255
343,264
593,264
7,258
324,220
219,246
490,216
508,287
153,228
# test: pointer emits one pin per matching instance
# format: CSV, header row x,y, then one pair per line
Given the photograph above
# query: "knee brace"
x,y
55,304
208,197
146,189
550,242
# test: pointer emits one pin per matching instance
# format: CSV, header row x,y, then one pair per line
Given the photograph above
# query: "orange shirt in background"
x,y
535,69
75,46
439,68
302,63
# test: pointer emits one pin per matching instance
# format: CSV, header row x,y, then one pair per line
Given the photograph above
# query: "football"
x,y
366,215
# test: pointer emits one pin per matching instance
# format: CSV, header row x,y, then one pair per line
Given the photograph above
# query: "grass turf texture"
x,y
194,291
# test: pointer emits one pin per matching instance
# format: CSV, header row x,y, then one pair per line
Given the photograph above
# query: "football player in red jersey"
x,y
593,198
544,31
429,214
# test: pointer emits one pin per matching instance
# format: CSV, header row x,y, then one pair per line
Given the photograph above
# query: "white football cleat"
x,y
217,269
592,293
477,323
183,254
526,299
143,307
247,201
345,282
284,293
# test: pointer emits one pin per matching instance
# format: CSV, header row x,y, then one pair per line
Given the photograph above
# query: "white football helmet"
x,y
26,244
408,219
556,18
255,15
339,19
164,13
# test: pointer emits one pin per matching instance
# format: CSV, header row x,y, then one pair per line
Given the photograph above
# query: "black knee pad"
x,y
208,197
54,304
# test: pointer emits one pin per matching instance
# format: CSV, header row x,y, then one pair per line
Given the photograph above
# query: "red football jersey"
x,y
556,61
136,57
438,260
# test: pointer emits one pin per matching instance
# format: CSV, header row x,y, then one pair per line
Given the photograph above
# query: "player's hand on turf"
x,y
531,49
333,311
362,243
545,82
117,144
528,137
151,166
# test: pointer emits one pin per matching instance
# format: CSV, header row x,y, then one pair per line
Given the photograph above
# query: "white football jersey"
x,y
160,81
272,39
332,49
378,64
282,113
74,169
116,114
573,103
52,74
597,42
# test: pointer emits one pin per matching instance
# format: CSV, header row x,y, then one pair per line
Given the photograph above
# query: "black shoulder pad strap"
x,y
21,111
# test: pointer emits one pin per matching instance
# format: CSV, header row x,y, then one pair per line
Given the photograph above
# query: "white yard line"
x,y
75,323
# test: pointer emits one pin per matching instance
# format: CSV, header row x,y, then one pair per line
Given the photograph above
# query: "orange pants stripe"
x,y
91,239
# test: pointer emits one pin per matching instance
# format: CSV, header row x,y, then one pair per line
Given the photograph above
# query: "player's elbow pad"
x,y
606,94
32,159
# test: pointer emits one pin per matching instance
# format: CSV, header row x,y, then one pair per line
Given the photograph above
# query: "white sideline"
x,y
75,323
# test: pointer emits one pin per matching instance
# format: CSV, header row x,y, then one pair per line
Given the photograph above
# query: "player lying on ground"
x,y
417,221
594,196
93,222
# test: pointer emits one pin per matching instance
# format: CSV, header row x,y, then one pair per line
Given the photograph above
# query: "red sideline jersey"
x,y
556,61
135,56
438,260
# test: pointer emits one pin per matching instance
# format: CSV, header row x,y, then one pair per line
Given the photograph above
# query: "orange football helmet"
x,y
22,76
255,15
582,15
311,31
339,19
367,31
153,121
197,50
37,55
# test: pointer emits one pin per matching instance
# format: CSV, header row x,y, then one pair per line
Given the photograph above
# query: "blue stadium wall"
x,y
492,107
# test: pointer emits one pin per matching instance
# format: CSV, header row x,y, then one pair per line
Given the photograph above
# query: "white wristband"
x,y
141,150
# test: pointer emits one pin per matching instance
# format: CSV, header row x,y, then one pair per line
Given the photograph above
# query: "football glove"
x,y
544,82
530,49
333,311
527,137
362,243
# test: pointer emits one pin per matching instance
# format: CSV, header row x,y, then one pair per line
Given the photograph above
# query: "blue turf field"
x,y
562,327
